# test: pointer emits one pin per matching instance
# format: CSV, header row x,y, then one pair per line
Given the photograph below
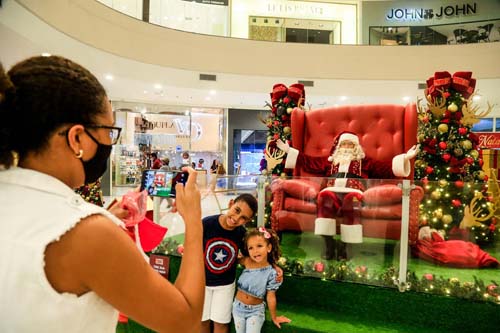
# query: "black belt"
x,y
345,175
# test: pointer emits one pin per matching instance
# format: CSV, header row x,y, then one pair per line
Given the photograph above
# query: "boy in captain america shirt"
x,y
223,236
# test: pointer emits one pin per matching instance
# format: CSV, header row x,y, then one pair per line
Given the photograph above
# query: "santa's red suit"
x,y
343,188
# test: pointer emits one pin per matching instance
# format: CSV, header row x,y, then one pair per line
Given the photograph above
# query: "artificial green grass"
x,y
317,306
320,306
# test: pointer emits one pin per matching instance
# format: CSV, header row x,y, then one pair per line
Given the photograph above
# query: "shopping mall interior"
x,y
200,77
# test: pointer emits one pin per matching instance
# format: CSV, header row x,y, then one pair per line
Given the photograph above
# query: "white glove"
x,y
283,146
411,153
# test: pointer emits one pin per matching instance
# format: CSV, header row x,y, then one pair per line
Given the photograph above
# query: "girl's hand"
x,y
280,320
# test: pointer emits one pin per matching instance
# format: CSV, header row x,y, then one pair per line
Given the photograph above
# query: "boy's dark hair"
x,y
38,96
275,253
154,155
249,200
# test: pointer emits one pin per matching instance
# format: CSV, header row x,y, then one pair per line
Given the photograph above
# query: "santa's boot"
x,y
328,252
351,230
325,225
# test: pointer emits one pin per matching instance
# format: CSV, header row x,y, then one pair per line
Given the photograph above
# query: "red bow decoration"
x,y
296,92
460,81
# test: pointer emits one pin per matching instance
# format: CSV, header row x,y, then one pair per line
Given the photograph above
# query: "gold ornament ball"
x,y
443,128
447,219
443,182
452,107
481,175
287,130
421,138
436,195
289,110
283,175
474,154
466,144
438,213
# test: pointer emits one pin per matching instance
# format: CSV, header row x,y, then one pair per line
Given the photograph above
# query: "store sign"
x,y
180,127
488,140
418,14
293,8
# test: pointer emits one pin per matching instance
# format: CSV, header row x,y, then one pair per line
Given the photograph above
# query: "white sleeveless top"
x,y
36,209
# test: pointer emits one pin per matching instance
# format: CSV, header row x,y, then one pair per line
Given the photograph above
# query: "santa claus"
x,y
346,165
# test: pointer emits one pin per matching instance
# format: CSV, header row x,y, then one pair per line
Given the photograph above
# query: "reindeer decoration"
x,y
437,106
470,112
274,156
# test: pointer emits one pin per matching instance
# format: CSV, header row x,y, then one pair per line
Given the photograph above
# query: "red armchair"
x,y
384,132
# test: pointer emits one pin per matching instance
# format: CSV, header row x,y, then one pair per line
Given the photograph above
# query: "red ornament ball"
x,y
429,170
443,145
462,131
456,203
319,267
446,157
459,184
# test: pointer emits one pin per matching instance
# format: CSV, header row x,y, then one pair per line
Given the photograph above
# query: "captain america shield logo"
x,y
220,254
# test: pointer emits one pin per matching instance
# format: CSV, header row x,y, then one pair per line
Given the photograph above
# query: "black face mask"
x,y
97,165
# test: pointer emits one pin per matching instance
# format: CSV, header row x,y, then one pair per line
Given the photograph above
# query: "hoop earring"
x,y
80,154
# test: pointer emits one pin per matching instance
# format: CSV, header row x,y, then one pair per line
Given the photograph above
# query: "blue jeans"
x,y
248,318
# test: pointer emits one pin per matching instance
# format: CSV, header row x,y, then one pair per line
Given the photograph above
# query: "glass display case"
x,y
127,165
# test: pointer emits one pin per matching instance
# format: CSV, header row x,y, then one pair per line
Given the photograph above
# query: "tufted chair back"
x,y
384,130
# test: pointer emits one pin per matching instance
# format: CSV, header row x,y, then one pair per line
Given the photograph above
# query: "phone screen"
x,y
161,183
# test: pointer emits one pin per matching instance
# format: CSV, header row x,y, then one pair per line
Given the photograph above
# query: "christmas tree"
x,y
449,163
92,193
283,101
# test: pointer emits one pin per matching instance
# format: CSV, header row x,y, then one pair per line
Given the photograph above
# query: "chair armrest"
x,y
278,201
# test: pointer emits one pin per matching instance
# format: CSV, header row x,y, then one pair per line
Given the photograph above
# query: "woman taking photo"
x,y
67,265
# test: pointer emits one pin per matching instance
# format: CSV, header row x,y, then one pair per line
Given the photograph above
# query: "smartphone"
x,y
161,183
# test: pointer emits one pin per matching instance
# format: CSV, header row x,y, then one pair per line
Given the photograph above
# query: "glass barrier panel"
x,y
457,249
350,230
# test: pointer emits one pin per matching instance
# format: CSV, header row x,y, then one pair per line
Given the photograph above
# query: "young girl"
x,y
258,279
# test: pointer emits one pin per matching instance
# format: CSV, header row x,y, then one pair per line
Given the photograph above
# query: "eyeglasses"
x,y
114,132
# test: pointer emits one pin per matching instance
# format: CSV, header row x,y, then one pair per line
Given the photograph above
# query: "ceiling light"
x,y
213,92
343,98
109,77
476,98
406,98
145,91
46,54
157,86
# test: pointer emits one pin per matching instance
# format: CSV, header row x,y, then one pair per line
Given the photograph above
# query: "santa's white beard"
x,y
343,156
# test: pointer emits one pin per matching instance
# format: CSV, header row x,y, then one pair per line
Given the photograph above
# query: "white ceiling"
x,y
23,34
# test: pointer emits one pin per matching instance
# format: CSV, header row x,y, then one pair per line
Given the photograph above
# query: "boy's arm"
x,y
279,273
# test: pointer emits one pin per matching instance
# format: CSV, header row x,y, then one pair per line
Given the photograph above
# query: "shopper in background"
x,y
156,161
166,164
72,258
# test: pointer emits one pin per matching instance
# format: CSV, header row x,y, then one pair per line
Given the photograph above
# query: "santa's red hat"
x,y
343,136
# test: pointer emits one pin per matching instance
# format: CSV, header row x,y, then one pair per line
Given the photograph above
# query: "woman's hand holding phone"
x,y
188,199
